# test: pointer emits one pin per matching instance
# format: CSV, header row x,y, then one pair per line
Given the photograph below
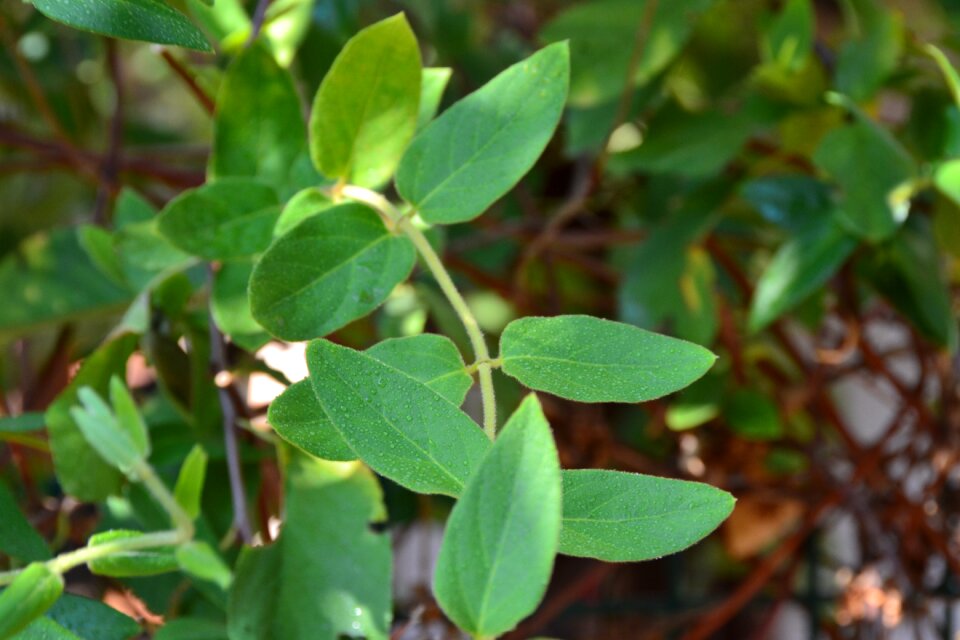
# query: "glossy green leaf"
x,y
144,562
365,112
230,218
147,20
907,271
45,629
30,594
89,619
433,82
198,559
794,202
303,586
867,204
189,488
400,427
799,267
354,263
50,280
594,360
17,538
298,418
229,300
628,517
502,535
479,148
80,469
259,130
301,206
603,34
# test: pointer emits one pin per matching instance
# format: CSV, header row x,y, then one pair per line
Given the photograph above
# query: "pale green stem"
x,y
373,199
181,520
480,352
949,73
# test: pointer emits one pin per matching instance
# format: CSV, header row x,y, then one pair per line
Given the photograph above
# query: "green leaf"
x,y
628,517
146,257
365,111
189,628
479,148
428,358
794,202
73,617
867,59
23,423
502,536
788,40
400,427
868,164
799,267
50,280
229,300
199,560
305,203
147,20
947,180
907,271
128,417
354,263
259,130
298,418
594,360
102,431
98,243
45,629
30,594
752,415
125,564
230,218
603,34
189,488
433,82
304,587
80,469
17,537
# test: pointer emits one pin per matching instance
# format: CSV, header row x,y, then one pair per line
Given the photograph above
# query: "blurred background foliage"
x,y
776,180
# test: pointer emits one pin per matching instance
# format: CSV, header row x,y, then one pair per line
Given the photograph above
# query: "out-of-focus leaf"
x,y
289,590
189,488
433,82
80,469
752,415
50,279
801,266
259,130
75,618
794,202
906,271
868,58
17,537
788,40
147,20
603,35
229,301
190,628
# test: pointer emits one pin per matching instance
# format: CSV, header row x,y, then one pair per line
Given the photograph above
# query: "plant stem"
x,y
67,561
480,351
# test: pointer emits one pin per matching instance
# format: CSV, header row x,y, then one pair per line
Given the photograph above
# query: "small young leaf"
x,y
259,130
479,148
354,263
147,20
800,267
30,594
198,559
501,539
230,218
628,517
594,360
305,586
128,416
433,82
189,488
126,564
17,537
102,431
365,111
400,427
80,469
